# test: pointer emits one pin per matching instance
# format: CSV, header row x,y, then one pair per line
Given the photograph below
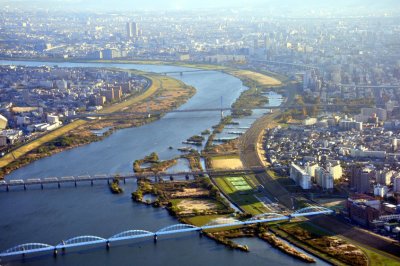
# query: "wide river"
x,y
51,215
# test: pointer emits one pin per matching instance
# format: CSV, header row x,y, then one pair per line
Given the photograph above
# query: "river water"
x,y
53,214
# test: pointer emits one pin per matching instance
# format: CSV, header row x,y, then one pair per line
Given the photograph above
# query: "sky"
x,y
200,4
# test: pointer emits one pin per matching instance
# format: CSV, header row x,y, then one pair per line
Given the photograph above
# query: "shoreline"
x,y
26,159
155,86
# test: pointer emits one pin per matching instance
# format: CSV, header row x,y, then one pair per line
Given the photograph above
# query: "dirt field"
x,y
190,192
227,164
260,78
187,205
330,202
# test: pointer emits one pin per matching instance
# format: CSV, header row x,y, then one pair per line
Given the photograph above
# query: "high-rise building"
x,y
360,179
323,178
132,30
109,94
3,122
396,184
300,176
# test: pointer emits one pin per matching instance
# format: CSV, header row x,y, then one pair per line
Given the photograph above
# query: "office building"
x,y
132,30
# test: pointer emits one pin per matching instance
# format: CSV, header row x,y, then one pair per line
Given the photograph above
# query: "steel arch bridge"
x,y
28,248
81,241
266,216
88,240
177,228
312,210
130,234
222,221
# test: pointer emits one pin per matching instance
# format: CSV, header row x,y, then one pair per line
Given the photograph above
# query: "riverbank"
x,y
163,94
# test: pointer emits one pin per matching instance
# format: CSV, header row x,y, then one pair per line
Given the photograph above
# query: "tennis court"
x,y
239,183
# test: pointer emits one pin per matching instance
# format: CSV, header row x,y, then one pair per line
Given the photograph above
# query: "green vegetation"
x,y
194,160
326,245
169,194
249,98
377,259
196,140
156,165
245,198
206,132
114,186
216,129
297,113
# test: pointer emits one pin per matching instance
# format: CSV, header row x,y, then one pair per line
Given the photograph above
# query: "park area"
x,y
239,183
241,189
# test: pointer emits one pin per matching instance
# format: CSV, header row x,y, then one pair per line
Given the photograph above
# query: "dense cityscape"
x,y
330,146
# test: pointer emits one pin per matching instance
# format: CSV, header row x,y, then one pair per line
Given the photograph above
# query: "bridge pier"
x,y
155,238
91,182
124,180
59,185
187,177
201,233
24,186
108,245
171,178
41,185
75,183
55,252
108,181
8,188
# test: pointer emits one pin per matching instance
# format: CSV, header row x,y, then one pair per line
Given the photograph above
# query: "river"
x,y
53,214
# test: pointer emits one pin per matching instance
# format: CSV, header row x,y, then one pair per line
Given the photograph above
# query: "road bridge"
x,y
89,240
149,113
123,177
186,71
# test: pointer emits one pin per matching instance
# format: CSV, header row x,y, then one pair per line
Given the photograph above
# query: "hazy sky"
x,y
191,4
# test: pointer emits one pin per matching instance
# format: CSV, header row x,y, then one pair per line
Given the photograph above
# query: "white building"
x,y
300,176
380,190
366,153
323,178
310,169
9,136
368,112
3,122
384,177
335,170
348,124
309,121
52,119
22,120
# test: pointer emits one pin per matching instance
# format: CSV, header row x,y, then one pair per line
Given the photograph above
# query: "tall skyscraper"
x,y
132,30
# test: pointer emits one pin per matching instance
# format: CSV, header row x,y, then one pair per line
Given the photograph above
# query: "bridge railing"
x,y
134,234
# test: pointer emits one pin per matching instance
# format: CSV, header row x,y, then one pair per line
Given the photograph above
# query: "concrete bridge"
x,y
102,177
186,71
88,240
220,109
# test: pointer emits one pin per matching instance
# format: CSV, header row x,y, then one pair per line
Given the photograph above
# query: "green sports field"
x,y
238,183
